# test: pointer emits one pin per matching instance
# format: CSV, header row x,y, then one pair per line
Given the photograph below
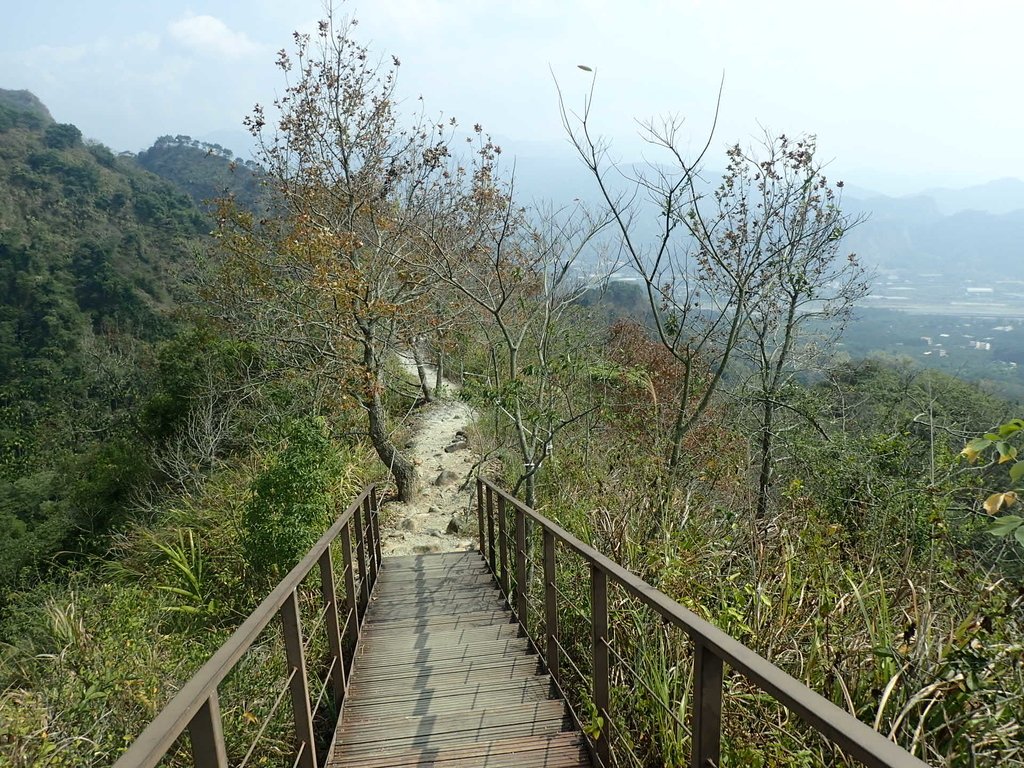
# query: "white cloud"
x,y
211,36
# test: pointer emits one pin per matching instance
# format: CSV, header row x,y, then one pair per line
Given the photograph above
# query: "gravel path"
x,y
443,459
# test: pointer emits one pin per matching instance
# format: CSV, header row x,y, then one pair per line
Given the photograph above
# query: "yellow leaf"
x,y
997,501
970,454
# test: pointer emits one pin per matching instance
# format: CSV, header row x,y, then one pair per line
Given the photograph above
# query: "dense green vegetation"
x,y
160,469
874,579
91,257
205,171
155,473
986,350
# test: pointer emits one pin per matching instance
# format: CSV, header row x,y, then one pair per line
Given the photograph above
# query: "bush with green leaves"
x,y
291,499
999,448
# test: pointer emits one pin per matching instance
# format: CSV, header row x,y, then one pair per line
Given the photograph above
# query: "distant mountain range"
x,y
920,233
977,231
972,232
999,196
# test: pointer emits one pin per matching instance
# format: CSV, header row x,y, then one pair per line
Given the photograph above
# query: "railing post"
x,y
333,626
707,707
301,714
599,624
522,596
371,550
207,735
480,514
489,493
350,584
550,605
375,505
364,585
503,550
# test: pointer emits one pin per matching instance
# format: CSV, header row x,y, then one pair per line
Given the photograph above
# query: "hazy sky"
x,y
902,93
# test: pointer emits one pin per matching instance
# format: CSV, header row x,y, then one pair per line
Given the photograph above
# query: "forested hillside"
x,y
162,470
92,252
205,171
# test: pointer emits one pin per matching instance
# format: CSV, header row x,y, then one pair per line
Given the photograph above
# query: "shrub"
x,y
291,499
62,136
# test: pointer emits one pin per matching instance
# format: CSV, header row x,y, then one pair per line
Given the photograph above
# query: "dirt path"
x,y
436,520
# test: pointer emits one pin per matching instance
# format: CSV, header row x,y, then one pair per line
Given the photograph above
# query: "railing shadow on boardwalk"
x,y
421,650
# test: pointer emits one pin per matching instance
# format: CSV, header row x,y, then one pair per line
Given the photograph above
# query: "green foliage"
x,y
1000,447
205,171
197,359
188,577
109,474
61,136
86,288
873,580
291,499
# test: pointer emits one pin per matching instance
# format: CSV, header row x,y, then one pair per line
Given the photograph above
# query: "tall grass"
x,y
897,617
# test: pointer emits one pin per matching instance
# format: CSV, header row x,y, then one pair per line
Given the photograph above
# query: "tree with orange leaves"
x,y
325,277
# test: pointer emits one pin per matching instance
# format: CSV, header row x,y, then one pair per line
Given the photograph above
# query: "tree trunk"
x,y
439,372
531,489
678,434
421,371
399,466
764,480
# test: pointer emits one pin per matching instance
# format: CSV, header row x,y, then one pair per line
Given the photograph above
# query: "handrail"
x,y
712,646
196,706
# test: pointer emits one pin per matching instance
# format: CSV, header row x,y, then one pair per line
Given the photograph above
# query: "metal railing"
x,y
507,547
196,707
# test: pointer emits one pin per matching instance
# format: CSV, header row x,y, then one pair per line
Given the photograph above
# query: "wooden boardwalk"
x,y
442,677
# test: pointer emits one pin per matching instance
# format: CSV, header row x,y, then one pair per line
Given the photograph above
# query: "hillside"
x,y
92,253
917,234
205,171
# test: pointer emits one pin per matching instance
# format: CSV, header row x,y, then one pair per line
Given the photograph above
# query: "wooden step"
x,y
444,677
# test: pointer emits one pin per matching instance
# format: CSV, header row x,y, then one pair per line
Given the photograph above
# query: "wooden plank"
x,y
454,574
485,669
444,677
385,641
406,701
426,612
386,743
559,751
434,706
430,560
427,564
426,602
442,655
401,586
439,723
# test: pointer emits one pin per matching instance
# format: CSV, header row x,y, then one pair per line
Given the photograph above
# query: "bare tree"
x,y
699,278
735,272
778,201
518,273
325,278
